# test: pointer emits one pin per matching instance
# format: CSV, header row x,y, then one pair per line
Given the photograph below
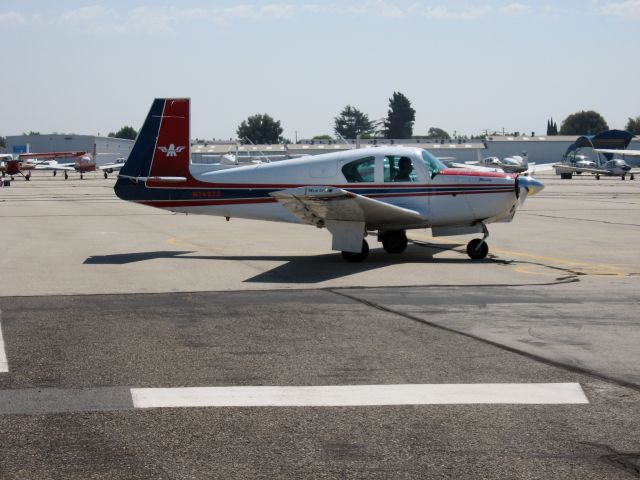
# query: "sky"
x,y
466,66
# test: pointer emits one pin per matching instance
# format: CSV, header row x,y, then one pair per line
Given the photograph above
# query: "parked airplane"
x,y
386,190
25,162
612,168
608,143
82,165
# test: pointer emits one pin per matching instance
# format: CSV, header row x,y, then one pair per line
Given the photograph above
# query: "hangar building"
x,y
108,148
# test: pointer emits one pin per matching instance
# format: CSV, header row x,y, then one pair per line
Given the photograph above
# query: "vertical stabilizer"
x,y
162,148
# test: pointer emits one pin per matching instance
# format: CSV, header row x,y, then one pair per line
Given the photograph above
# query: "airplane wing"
x,y
631,153
50,155
316,205
70,167
53,165
112,167
543,167
566,168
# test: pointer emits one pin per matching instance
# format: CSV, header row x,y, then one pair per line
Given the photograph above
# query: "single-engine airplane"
x,y
25,162
83,164
386,190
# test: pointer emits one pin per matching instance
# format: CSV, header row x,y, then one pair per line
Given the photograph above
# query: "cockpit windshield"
x,y
432,164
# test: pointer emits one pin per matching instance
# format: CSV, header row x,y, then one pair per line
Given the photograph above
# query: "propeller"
x,y
527,187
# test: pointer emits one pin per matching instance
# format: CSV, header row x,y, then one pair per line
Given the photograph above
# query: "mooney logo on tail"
x,y
171,150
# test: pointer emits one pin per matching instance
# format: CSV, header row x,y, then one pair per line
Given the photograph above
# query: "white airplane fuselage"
x,y
449,198
386,189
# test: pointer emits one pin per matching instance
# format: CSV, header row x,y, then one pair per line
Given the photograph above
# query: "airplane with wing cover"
x,y
383,191
608,144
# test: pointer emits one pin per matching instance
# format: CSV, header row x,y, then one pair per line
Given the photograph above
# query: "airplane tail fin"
x,y
162,147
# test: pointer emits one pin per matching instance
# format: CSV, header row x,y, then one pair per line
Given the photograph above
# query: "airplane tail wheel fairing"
x,y
394,241
477,249
357,257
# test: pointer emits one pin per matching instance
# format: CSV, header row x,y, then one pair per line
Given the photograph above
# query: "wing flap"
x,y
315,205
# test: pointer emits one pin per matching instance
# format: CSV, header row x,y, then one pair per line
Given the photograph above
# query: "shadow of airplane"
x,y
301,269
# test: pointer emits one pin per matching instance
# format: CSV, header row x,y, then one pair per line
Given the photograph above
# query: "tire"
x,y
394,241
477,249
357,257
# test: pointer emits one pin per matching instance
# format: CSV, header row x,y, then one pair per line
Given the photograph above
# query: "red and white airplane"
x,y
383,190
25,162
83,164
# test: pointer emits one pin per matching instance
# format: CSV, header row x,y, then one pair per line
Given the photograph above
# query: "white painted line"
x,y
4,364
360,395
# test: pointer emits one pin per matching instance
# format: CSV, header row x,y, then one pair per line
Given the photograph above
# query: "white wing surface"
x,y
631,153
317,205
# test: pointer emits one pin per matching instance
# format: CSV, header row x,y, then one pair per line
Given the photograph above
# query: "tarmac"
x,y
420,365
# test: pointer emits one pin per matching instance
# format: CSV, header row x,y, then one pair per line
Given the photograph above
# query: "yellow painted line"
x,y
587,268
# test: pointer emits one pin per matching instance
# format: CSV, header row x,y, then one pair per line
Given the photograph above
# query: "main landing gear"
x,y
357,257
477,249
394,241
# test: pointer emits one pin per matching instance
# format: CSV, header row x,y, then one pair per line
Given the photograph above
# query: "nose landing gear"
x,y
477,249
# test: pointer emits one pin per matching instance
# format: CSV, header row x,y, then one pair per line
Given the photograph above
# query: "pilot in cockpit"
x,y
404,170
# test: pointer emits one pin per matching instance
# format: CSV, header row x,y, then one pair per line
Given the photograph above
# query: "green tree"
x,y
583,123
260,129
3,142
322,137
633,126
435,132
400,117
126,132
352,122
552,127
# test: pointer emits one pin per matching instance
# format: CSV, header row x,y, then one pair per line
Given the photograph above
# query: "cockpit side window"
x,y
432,164
398,169
360,170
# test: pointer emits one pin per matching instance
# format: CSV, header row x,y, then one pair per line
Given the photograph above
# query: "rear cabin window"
x,y
399,169
361,170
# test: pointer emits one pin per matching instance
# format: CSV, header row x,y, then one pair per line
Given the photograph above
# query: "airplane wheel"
x,y
12,179
394,241
66,175
632,177
27,178
477,249
81,177
357,257
623,177
55,172
106,175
